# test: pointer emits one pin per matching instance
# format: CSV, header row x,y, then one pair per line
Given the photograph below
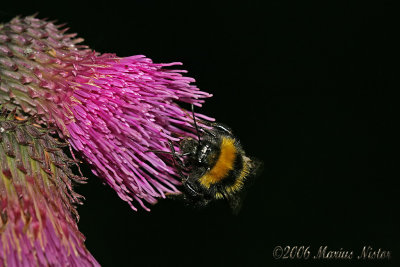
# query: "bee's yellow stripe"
x,y
223,165
238,184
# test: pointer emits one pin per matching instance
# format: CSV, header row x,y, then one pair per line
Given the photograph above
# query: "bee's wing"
x,y
235,201
256,167
215,127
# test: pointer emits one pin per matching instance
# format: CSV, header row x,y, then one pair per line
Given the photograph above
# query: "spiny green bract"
x,y
37,204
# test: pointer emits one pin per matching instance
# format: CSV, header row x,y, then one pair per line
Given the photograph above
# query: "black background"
x,y
307,87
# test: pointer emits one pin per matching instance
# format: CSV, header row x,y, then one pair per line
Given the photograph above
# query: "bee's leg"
x,y
191,189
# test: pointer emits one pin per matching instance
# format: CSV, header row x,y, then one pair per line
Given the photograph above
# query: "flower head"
x,y
37,214
110,109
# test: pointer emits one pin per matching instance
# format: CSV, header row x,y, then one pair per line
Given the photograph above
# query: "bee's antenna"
x,y
195,124
168,152
160,151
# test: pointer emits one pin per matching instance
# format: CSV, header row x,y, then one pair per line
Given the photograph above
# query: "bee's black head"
x,y
189,146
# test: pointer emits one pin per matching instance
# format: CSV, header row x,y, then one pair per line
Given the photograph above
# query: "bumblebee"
x,y
217,167
212,167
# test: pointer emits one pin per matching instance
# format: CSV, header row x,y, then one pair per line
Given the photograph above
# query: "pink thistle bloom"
x,y
37,226
110,109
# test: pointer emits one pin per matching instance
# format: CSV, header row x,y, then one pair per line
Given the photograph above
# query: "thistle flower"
x,y
37,224
110,109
